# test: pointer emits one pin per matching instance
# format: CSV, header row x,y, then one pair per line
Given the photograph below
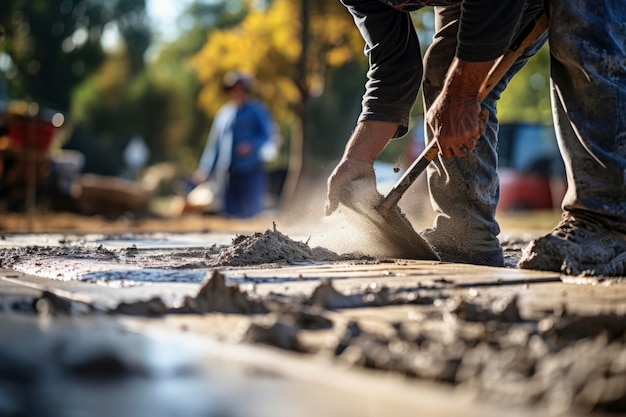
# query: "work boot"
x,y
578,245
448,253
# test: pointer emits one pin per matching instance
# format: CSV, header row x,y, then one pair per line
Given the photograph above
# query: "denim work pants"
x,y
588,81
464,191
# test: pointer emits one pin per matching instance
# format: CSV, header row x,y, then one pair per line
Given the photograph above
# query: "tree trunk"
x,y
299,138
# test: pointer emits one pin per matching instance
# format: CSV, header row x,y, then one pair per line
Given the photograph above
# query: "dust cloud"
x,y
355,228
346,232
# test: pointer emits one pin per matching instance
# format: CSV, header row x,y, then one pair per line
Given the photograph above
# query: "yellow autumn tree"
x,y
287,48
268,46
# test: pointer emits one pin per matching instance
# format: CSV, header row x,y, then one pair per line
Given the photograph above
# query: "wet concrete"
x,y
525,339
96,367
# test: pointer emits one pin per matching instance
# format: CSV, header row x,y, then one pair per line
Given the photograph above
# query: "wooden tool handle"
x,y
526,39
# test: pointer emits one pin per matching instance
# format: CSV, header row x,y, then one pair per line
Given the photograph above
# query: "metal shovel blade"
x,y
390,228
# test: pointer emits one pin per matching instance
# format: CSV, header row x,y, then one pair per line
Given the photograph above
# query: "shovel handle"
x,y
525,39
415,170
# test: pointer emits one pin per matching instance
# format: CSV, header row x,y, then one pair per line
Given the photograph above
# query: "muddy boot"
x,y
578,245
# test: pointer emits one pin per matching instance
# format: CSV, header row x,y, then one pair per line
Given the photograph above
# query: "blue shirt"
x,y
253,124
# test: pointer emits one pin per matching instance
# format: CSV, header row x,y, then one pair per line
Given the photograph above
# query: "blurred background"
x,y
105,105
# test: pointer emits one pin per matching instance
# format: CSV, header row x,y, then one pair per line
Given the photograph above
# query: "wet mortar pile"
x,y
482,341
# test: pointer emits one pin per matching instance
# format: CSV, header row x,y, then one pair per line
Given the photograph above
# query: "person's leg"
x,y
588,79
257,191
245,196
464,191
232,197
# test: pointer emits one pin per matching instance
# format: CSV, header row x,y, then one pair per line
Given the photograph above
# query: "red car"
x,y
531,171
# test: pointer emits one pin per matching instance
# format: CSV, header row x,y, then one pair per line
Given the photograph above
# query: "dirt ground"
x,y
345,334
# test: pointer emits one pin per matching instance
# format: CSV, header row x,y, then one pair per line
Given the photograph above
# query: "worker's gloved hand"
x,y
351,180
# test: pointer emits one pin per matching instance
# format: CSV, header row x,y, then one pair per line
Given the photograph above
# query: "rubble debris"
x,y
557,359
152,307
514,363
216,296
503,309
326,296
302,316
50,304
105,365
396,355
575,327
411,296
12,256
276,333
17,304
350,332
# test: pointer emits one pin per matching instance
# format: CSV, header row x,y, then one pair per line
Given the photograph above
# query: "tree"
x,y
159,102
268,45
186,125
55,44
289,47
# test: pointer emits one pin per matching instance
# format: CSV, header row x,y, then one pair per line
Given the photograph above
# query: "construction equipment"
x,y
386,216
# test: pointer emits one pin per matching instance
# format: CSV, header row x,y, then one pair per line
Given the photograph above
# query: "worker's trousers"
x,y
587,42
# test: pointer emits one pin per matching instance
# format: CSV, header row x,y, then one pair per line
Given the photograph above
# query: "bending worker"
x,y
588,82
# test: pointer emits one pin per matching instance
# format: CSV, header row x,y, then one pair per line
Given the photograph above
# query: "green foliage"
x,y
56,58
267,45
158,102
55,44
187,126
115,106
527,98
335,112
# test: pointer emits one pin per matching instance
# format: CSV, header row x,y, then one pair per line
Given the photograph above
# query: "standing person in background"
x,y
233,156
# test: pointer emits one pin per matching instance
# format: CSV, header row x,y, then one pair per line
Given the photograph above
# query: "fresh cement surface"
x,y
263,324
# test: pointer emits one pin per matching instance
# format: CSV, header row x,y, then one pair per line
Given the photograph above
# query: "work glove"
x,y
352,180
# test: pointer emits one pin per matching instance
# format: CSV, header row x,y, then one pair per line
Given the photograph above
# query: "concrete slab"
x,y
152,241
154,371
121,282
109,270
15,296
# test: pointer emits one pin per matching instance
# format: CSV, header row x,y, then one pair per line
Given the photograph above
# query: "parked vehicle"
x,y
531,171
26,135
